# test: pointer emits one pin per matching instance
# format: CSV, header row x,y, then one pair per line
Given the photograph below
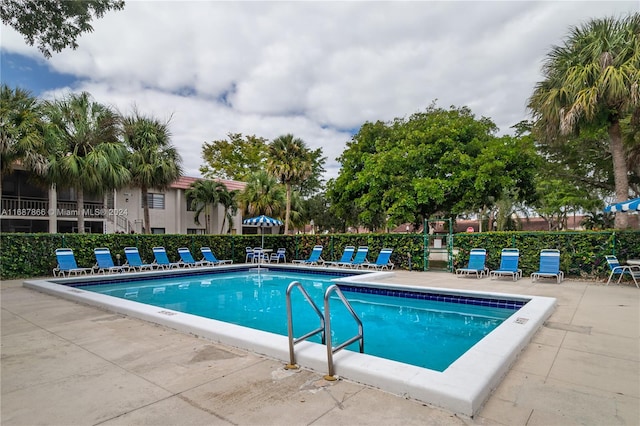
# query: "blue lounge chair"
x,y
508,264
211,258
188,260
345,260
67,264
104,262
314,258
476,265
280,254
360,258
382,262
162,259
617,269
134,261
549,266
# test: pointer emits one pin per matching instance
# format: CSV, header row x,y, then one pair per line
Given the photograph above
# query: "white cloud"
x,y
315,69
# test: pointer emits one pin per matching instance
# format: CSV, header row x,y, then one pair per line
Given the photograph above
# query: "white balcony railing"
x,y
34,208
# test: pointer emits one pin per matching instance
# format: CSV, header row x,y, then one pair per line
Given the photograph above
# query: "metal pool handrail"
x,y
360,336
292,340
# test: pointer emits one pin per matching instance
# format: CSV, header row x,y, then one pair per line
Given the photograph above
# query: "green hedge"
x,y
582,253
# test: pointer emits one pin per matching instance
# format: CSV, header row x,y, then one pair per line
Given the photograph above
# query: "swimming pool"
x,y
420,331
462,387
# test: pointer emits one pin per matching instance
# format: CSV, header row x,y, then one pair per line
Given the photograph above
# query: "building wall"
x,y
26,207
175,218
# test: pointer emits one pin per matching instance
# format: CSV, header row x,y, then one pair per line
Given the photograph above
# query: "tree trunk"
x,y
224,220
288,210
620,172
80,208
146,229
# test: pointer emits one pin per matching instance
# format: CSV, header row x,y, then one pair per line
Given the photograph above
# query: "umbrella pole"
x,y
262,247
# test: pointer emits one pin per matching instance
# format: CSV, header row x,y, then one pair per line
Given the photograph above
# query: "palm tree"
x,y
262,195
89,156
290,161
21,132
205,195
593,79
154,162
229,200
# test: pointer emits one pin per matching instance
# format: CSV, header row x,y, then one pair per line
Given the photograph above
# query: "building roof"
x,y
184,182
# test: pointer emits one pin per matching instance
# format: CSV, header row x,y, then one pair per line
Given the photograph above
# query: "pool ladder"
x,y
325,326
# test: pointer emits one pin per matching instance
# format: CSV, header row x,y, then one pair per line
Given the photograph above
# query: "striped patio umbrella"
x,y
626,206
262,221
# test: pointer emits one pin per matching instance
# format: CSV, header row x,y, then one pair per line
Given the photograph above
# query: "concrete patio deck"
x,y
63,363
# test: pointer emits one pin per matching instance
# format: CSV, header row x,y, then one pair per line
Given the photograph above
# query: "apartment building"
x,y
27,206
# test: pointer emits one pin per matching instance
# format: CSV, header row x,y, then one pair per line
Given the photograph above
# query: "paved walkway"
x,y
68,364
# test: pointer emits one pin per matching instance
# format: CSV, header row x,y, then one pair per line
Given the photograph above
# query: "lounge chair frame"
x,y
315,258
632,271
345,259
549,266
476,264
104,262
509,259
134,260
67,264
360,258
382,262
162,259
188,261
208,256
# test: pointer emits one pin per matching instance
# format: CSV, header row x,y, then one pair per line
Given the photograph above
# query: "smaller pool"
x,y
408,327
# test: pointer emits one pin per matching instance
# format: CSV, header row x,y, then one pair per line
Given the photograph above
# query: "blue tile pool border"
x,y
438,297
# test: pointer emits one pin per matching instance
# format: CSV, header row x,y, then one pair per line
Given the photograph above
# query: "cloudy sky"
x,y
318,70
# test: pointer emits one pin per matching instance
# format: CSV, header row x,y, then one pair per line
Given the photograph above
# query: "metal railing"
x,y
37,207
293,341
325,326
330,350
24,206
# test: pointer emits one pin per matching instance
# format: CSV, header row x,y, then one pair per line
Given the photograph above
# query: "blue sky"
x,y
318,70
34,75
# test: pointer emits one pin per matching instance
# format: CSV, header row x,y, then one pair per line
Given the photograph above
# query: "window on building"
x,y
195,231
155,201
189,204
157,230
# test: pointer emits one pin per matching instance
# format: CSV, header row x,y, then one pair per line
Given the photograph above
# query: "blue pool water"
x,y
411,329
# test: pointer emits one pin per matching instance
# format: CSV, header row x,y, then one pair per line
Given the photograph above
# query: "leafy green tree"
x,y
593,80
21,132
263,195
154,162
205,195
88,157
318,209
435,163
235,158
291,162
53,25
558,198
346,192
597,221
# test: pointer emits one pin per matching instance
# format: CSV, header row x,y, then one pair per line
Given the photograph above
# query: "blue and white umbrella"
x,y
626,206
262,221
